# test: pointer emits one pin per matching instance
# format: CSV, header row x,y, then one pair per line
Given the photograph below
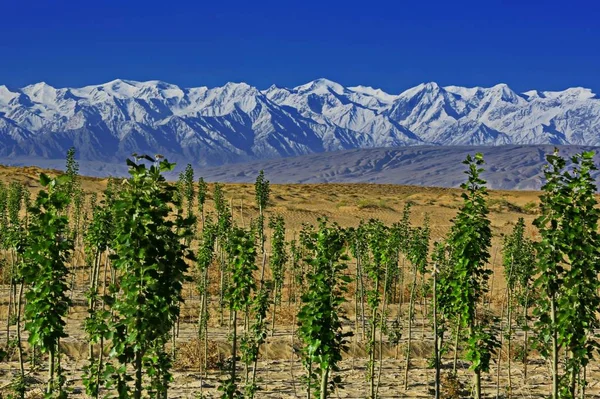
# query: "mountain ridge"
x,y
238,122
512,167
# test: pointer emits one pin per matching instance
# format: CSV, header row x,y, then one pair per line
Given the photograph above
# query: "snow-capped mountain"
x,y
238,122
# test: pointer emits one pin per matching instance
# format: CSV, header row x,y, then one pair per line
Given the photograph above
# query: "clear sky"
x,y
528,44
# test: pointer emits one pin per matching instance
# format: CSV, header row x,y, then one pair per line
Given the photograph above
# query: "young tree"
x,y
277,261
377,236
189,193
202,192
519,263
45,271
150,256
262,191
568,267
242,256
470,240
205,256
418,251
319,319
224,225
97,240
13,241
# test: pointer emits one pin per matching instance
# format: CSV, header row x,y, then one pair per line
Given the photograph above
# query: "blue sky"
x,y
528,44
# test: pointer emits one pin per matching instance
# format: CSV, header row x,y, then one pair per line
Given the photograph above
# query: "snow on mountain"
x,y
238,122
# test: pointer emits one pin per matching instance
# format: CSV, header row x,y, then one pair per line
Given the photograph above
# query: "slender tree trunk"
x,y
383,320
308,386
436,346
262,269
402,276
424,311
411,308
526,337
584,382
19,345
477,384
138,375
242,211
99,369
477,374
380,360
554,350
509,343
372,346
362,302
10,303
222,284
234,349
92,300
246,328
456,336
324,378
292,355
274,310
205,323
499,360
356,299
573,382
50,386
255,366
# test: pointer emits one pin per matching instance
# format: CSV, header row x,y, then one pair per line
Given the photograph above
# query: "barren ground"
x,y
279,369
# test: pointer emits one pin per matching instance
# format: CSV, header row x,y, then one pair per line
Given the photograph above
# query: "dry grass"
x,y
345,204
191,355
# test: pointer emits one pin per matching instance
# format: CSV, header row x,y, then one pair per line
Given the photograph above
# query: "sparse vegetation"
x,y
113,267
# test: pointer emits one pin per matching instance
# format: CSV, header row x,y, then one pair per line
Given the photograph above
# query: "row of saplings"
x,y
140,241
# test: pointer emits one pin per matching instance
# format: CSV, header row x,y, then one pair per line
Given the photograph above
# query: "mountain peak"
x,y
236,121
424,89
237,89
580,93
40,92
373,92
6,95
503,92
321,86
429,86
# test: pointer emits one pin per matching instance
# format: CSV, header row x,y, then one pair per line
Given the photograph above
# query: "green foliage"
x,y
295,269
279,256
72,172
45,270
242,257
262,191
205,257
223,212
14,229
188,188
462,289
518,257
418,247
567,266
97,238
150,258
3,214
319,319
257,333
202,193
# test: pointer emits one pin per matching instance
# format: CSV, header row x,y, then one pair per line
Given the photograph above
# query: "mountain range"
x,y
240,123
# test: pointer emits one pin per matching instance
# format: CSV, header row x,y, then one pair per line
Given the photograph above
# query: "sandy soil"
x,y
279,370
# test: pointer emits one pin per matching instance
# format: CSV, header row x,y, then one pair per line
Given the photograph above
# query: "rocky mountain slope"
x,y
507,167
240,123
